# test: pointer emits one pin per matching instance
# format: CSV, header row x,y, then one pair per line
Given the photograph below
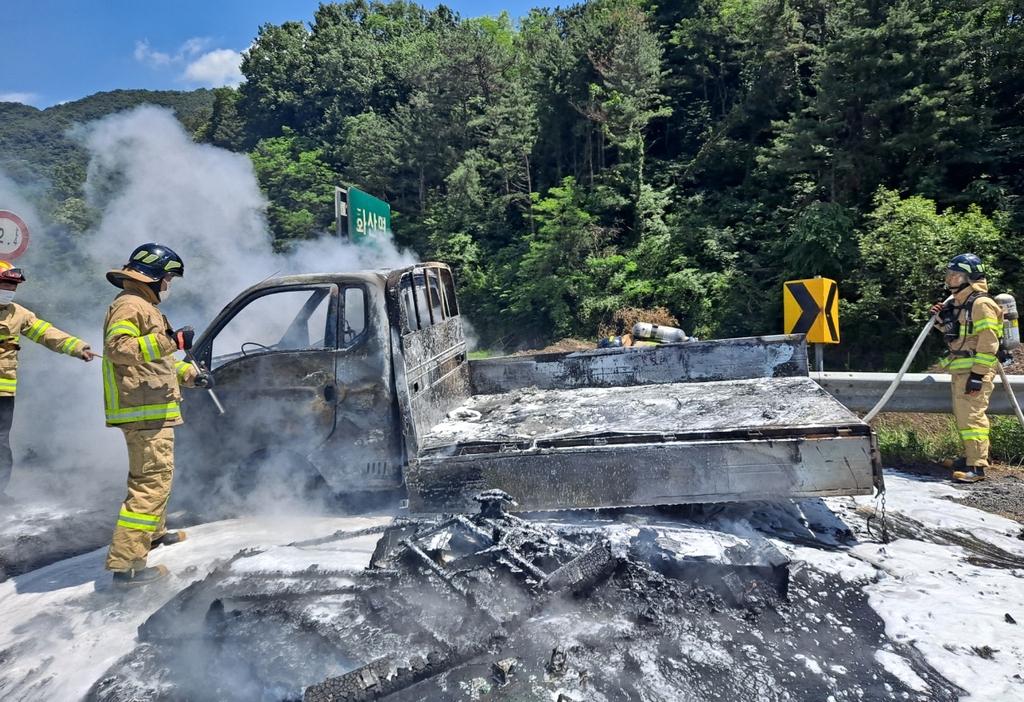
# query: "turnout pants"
x,y
150,471
6,457
971,420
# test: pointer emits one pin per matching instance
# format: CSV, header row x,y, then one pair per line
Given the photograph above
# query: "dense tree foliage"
x,y
691,155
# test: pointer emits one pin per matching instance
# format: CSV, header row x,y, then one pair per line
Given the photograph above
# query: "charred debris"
x,y
496,607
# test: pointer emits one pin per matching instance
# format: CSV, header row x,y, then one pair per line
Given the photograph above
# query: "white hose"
x,y
906,364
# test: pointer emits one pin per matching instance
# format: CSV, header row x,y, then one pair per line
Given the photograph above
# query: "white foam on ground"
x,y
948,609
63,625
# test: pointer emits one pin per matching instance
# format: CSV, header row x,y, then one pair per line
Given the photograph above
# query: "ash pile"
x,y
497,607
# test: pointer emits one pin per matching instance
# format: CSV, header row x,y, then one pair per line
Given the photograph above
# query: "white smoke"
x,y
154,185
151,183
13,200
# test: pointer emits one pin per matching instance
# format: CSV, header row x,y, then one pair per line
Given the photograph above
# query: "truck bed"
x,y
611,430
532,416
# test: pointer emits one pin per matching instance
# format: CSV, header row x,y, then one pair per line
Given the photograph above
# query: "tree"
x,y
225,127
299,186
903,253
551,279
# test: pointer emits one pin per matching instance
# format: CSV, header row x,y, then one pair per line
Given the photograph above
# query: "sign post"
x,y
13,236
361,217
341,211
811,307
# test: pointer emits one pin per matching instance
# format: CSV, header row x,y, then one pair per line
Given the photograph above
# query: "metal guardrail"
x,y
917,392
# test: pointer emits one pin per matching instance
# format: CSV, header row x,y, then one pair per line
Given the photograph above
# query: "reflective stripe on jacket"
x,y
17,322
976,348
140,374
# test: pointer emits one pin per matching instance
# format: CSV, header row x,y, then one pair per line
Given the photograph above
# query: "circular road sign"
x,y
13,236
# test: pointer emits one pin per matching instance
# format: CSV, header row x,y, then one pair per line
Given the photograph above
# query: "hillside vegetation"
x,y
691,155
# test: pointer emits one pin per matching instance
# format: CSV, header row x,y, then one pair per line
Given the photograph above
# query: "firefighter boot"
x,y
168,539
959,464
145,576
974,475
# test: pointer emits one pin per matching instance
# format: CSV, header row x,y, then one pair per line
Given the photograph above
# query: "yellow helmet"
x,y
10,274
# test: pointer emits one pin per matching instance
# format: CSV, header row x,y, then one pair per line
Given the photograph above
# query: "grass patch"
x,y
483,353
916,438
1006,440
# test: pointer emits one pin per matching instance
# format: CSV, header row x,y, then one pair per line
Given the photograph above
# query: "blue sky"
x,y
56,51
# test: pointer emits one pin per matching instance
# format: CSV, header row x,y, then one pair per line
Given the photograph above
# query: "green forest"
x,y
691,155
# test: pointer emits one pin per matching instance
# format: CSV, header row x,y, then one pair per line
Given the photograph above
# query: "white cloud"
x,y
23,98
215,69
194,46
146,55
212,69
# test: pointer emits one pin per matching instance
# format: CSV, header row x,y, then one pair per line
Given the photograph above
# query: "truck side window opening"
x,y
353,321
436,302
428,297
279,321
449,292
422,303
409,302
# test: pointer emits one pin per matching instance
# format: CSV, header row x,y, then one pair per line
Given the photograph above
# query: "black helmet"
x,y
149,264
156,261
968,264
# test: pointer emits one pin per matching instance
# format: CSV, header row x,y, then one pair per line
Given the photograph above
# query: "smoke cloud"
x,y
151,183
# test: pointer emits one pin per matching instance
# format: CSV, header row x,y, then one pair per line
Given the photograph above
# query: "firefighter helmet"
x,y
10,274
149,263
156,261
968,264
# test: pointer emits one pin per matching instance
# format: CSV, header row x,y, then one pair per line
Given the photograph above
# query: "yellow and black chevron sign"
x,y
811,307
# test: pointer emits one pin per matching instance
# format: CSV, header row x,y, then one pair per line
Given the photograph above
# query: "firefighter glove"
x,y
204,380
973,384
183,338
936,308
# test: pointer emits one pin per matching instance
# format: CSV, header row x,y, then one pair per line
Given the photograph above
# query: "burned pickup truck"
x,y
362,381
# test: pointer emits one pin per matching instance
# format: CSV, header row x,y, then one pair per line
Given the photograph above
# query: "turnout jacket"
x,y
981,327
140,374
17,322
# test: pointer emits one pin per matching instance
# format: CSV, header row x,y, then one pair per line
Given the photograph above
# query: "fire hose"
x,y
910,357
213,396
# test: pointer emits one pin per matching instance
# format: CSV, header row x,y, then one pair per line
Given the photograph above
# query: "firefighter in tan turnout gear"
x,y
17,322
972,324
140,385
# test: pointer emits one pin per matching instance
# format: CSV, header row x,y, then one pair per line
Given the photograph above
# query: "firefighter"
x,y
972,324
17,322
140,386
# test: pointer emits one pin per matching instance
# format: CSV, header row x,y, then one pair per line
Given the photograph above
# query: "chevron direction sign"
x,y
811,307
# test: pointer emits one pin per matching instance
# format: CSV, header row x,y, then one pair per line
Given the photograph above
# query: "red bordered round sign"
x,y
13,236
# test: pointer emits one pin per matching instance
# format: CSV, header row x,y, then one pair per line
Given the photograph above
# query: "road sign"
x,y
362,217
13,236
811,307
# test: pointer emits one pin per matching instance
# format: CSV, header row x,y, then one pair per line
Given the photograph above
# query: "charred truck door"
x,y
272,354
304,382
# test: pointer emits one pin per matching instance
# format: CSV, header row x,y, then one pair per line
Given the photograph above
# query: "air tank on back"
x,y
1011,332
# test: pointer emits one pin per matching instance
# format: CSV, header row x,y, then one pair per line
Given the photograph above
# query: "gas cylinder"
x,y
1011,332
654,332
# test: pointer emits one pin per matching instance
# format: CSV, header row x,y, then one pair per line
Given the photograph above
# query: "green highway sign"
x,y
361,217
